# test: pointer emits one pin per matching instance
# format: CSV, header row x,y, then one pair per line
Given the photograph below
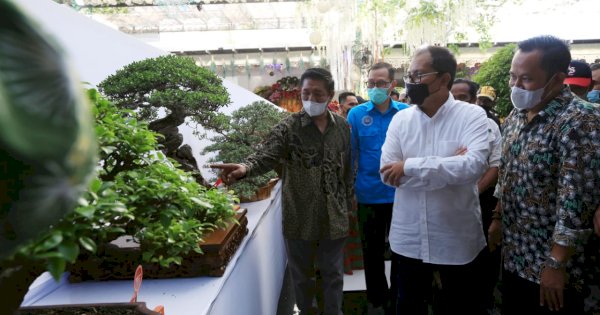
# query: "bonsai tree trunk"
x,y
172,141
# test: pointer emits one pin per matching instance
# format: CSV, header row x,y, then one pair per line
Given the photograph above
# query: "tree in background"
x,y
173,87
495,72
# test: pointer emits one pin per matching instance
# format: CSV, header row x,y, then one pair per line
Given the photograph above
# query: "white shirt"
x,y
436,216
495,139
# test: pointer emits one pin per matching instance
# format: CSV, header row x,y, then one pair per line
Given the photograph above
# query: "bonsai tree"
x,y
174,86
240,135
163,208
495,72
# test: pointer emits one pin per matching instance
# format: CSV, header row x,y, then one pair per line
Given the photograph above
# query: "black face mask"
x,y
417,92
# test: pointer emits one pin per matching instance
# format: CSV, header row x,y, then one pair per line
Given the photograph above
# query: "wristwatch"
x,y
554,263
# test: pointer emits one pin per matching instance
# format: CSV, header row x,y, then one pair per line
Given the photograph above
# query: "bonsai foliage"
x,y
47,146
495,72
173,87
240,135
173,83
162,207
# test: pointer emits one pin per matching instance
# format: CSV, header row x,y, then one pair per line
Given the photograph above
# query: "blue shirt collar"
x,y
393,104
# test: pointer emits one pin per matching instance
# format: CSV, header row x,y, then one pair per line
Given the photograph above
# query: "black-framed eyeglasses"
x,y
416,78
379,84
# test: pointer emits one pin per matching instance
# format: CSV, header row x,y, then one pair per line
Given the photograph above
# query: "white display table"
x,y
251,284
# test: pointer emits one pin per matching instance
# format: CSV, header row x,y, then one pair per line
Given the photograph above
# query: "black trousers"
x,y
461,287
521,296
491,261
374,224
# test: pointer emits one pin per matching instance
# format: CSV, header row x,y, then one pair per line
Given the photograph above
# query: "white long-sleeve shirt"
x,y
495,138
436,216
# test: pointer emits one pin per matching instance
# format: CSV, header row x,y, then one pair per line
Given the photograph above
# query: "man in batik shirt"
x,y
549,184
313,149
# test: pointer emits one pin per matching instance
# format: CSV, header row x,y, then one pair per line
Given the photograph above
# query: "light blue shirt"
x,y
368,129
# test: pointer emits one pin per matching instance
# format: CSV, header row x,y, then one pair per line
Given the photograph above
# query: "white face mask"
x,y
524,99
313,108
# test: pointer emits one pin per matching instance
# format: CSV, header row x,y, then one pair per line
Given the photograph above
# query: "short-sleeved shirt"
x,y
369,127
549,184
317,182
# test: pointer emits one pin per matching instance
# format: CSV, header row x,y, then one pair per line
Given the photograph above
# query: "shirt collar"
x,y
393,104
448,104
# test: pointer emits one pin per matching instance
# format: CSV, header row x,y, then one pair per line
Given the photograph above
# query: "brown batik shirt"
x,y
549,185
317,182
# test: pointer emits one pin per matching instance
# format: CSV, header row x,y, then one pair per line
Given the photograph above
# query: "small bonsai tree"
x,y
242,134
177,87
495,72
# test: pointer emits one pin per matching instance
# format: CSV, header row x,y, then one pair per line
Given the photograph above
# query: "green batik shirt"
x,y
549,184
317,182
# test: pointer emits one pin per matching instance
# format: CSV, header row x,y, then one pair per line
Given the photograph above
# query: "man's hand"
x,y
392,173
230,172
597,221
495,235
461,151
552,284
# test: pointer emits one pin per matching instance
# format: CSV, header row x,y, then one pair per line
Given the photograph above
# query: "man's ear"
x,y
392,86
445,79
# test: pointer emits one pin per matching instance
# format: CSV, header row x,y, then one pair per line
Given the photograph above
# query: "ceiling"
x,y
152,16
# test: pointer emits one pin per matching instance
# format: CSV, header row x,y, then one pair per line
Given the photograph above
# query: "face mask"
x,y
524,99
378,95
594,96
313,108
417,92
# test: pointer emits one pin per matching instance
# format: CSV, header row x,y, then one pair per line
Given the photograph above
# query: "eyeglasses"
x,y
416,78
379,84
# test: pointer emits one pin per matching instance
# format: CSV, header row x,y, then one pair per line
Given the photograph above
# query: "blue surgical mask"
x,y
594,96
378,95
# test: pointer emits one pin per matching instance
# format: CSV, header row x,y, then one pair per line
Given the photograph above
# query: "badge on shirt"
x,y
367,121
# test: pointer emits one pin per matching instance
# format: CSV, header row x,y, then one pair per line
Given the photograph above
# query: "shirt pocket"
x,y
447,148
368,139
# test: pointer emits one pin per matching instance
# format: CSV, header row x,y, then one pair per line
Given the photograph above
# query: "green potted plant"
x,y
178,88
238,136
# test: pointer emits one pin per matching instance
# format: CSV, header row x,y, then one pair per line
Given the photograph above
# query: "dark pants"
x,y
521,296
328,256
460,293
374,222
491,261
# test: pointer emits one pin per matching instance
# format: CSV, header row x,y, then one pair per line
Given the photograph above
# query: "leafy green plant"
x,y
137,192
240,135
176,86
495,72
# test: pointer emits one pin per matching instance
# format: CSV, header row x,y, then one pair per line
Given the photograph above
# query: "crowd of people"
x,y
462,199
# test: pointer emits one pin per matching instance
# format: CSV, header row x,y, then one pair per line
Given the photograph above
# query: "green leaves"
x,y
495,72
87,243
243,134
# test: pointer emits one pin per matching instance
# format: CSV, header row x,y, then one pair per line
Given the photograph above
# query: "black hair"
x,y
555,53
342,97
442,61
595,66
395,92
384,65
473,87
360,99
319,74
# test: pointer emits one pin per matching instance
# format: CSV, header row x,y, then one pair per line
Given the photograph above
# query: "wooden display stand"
x,y
120,262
